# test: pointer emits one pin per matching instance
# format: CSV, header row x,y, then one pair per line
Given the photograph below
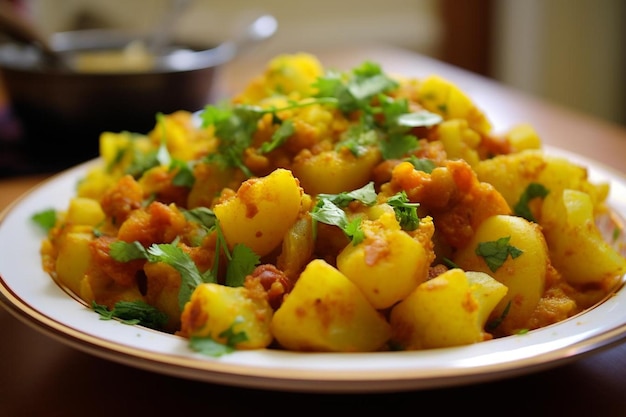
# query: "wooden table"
x,y
40,376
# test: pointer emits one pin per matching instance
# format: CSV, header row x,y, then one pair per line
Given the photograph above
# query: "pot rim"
x,y
28,58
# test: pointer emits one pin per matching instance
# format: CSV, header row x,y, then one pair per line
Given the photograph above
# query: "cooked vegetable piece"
x,y
577,249
387,265
74,257
214,308
448,310
333,172
326,312
523,273
261,212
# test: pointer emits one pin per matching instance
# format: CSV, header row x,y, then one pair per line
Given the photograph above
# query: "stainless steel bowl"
x,y
63,110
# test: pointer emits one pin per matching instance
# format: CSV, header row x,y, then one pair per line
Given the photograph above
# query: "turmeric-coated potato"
x,y
387,265
441,96
216,309
513,251
332,172
326,312
444,311
577,248
74,257
261,212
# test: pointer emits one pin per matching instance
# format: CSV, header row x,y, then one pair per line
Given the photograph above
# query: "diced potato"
x,y
522,137
74,258
332,172
442,312
387,265
215,309
577,248
325,312
297,248
84,211
441,96
511,174
459,141
487,291
524,275
261,212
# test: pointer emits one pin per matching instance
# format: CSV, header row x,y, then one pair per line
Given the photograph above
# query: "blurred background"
x,y
571,52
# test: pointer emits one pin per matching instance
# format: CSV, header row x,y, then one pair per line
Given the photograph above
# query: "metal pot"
x,y
63,109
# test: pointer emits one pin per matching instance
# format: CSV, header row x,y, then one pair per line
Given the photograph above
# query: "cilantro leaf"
x,y
327,212
242,263
133,312
406,212
184,176
175,257
203,216
398,145
422,118
279,137
533,190
46,219
366,195
125,252
422,164
209,346
496,252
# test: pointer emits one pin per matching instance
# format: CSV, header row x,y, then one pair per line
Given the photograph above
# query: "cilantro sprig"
x,y
133,312
207,345
406,212
241,261
329,209
495,253
46,219
533,190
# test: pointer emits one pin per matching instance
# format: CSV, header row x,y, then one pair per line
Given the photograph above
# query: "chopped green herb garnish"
x,y
406,212
279,137
208,346
365,194
422,164
133,312
533,190
46,219
243,260
327,212
496,252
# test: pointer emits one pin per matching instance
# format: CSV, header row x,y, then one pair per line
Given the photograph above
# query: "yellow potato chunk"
x,y
511,174
441,96
459,141
524,274
577,248
444,311
387,265
332,172
214,309
326,312
487,291
261,212
84,211
74,257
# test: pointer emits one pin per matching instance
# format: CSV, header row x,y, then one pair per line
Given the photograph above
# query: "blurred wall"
x,y
412,24
572,52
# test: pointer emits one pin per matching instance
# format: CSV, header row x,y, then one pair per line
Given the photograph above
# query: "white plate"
x,y
31,295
